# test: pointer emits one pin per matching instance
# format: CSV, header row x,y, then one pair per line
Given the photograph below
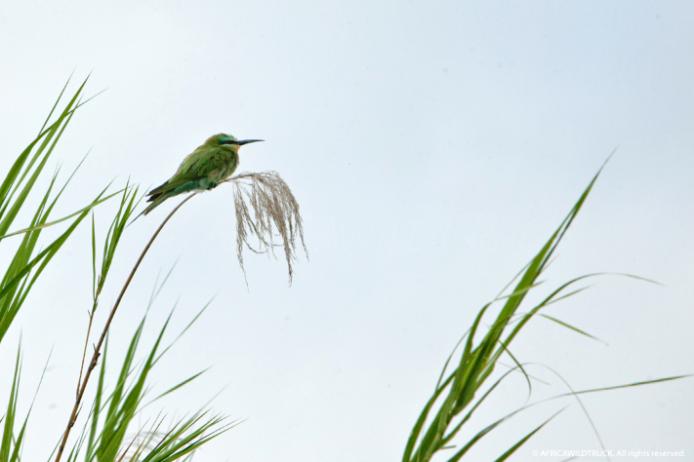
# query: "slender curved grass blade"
x,y
525,439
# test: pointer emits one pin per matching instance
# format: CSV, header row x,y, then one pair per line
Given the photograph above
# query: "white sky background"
x,y
433,146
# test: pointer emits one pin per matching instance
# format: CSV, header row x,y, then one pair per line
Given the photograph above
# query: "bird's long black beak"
x,y
242,142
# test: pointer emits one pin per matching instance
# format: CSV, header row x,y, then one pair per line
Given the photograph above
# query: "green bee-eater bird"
x,y
211,163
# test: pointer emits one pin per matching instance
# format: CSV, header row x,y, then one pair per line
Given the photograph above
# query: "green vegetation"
x,y
100,426
267,209
460,393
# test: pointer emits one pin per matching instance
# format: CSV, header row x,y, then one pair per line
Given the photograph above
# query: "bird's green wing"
x,y
201,163
204,168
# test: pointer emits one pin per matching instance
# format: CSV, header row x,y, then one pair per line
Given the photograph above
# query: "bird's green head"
x,y
226,139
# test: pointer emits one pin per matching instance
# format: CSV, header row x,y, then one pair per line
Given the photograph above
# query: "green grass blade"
x,y
7,441
523,440
572,328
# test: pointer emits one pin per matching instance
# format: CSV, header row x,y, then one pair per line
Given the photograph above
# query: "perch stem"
x,y
99,344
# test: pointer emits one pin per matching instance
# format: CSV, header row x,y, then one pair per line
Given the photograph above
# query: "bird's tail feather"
x,y
154,203
166,191
156,192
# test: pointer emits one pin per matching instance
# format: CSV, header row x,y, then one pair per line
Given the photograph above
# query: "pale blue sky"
x,y
432,146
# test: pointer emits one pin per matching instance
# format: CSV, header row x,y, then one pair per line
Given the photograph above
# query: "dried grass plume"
x,y
267,217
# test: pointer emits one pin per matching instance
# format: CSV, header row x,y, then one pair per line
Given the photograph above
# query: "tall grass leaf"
x,y
63,219
6,443
572,327
40,157
523,440
626,385
37,264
